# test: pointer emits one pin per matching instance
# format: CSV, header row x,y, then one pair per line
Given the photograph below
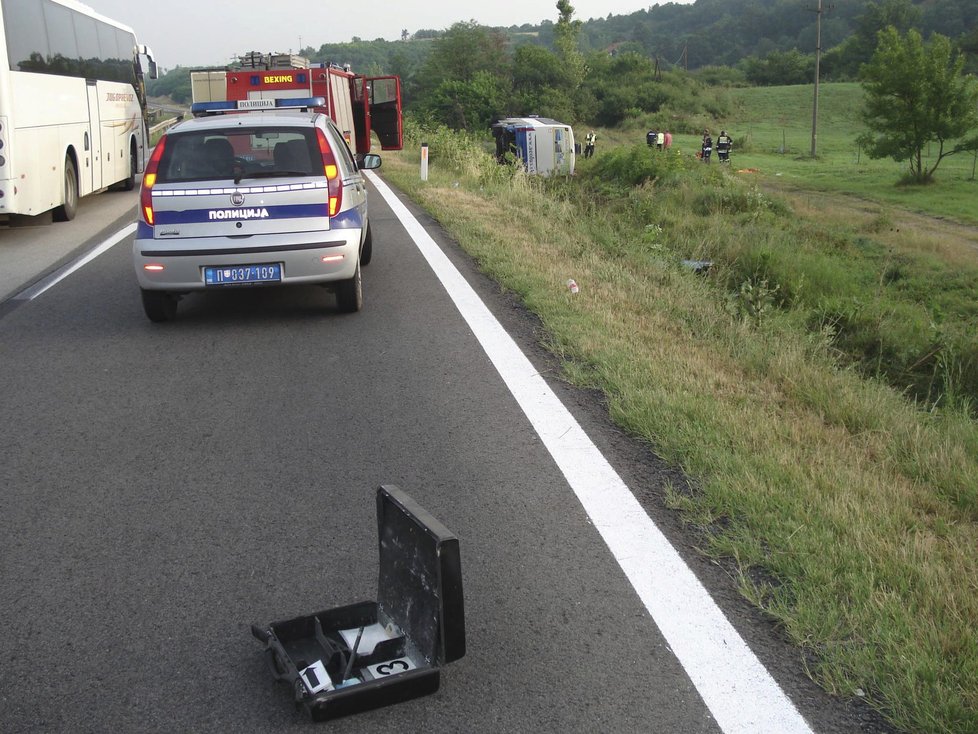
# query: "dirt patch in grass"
x,y
890,225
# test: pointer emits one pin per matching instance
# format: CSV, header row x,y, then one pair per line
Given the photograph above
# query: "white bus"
x,y
72,105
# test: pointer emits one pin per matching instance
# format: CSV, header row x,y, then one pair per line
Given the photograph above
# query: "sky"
x,y
208,33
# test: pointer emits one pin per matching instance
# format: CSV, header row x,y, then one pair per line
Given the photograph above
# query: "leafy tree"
x,y
968,46
372,56
175,84
463,50
780,67
535,67
947,17
620,87
721,76
900,14
843,61
915,95
566,37
540,83
471,104
462,82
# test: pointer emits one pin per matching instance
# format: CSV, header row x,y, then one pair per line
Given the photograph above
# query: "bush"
x,y
720,76
779,68
466,154
731,200
637,165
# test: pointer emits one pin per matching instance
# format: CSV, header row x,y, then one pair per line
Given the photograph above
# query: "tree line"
x,y
522,68
918,90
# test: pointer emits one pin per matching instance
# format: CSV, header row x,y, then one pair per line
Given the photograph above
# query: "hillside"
x,y
703,34
723,32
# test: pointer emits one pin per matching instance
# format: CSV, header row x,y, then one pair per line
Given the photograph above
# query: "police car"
x,y
267,197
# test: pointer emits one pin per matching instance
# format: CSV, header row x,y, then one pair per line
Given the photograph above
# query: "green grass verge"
x,y
858,507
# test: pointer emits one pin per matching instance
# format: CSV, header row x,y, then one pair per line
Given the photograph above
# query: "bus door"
x,y
90,159
385,111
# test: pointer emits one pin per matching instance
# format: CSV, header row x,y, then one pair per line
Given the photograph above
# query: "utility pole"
x,y
818,54
818,58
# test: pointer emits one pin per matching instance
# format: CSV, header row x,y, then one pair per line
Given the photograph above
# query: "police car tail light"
x,y
149,179
335,186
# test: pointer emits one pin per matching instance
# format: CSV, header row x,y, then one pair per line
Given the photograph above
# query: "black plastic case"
x,y
416,625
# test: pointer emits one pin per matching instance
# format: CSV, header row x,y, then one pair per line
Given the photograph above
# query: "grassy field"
x,y
772,131
850,511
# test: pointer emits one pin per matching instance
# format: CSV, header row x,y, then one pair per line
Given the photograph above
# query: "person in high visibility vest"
x,y
724,144
589,144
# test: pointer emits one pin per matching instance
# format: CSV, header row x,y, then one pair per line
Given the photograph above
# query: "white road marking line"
x,y
29,294
736,687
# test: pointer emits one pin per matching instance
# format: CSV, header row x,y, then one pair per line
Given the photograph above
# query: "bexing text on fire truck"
x,y
357,104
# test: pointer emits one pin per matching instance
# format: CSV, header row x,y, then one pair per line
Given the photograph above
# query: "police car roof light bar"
x,y
256,105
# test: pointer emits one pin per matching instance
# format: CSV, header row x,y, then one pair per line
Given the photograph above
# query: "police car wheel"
x,y
349,293
159,306
368,247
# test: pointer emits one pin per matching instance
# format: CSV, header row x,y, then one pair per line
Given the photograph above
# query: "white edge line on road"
x,y
29,294
734,684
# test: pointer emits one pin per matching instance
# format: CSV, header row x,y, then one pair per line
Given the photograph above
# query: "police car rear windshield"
x,y
240,153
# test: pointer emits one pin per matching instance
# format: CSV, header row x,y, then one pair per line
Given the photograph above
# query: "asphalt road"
x,y
165,486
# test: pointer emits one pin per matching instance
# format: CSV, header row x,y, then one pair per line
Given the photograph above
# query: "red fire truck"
x,y
357,104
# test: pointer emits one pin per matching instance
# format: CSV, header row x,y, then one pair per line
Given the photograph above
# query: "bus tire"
x,y
129,183
66,212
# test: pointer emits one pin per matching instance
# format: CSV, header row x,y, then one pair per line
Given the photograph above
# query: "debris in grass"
x,y
698,266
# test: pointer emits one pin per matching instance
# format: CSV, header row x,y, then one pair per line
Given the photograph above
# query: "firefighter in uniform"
x,y
724,144
589,144
707,148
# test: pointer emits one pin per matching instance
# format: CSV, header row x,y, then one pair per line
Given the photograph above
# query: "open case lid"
x,y
420,581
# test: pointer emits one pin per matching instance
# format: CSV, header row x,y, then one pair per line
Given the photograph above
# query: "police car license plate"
x,y
243,274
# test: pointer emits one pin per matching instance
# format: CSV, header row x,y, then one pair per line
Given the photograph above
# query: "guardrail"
x,y
164,125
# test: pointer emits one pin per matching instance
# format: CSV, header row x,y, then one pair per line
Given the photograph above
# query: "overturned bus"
x,y
545,146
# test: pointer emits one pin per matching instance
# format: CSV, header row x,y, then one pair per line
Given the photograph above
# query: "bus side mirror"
x,y
146,62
